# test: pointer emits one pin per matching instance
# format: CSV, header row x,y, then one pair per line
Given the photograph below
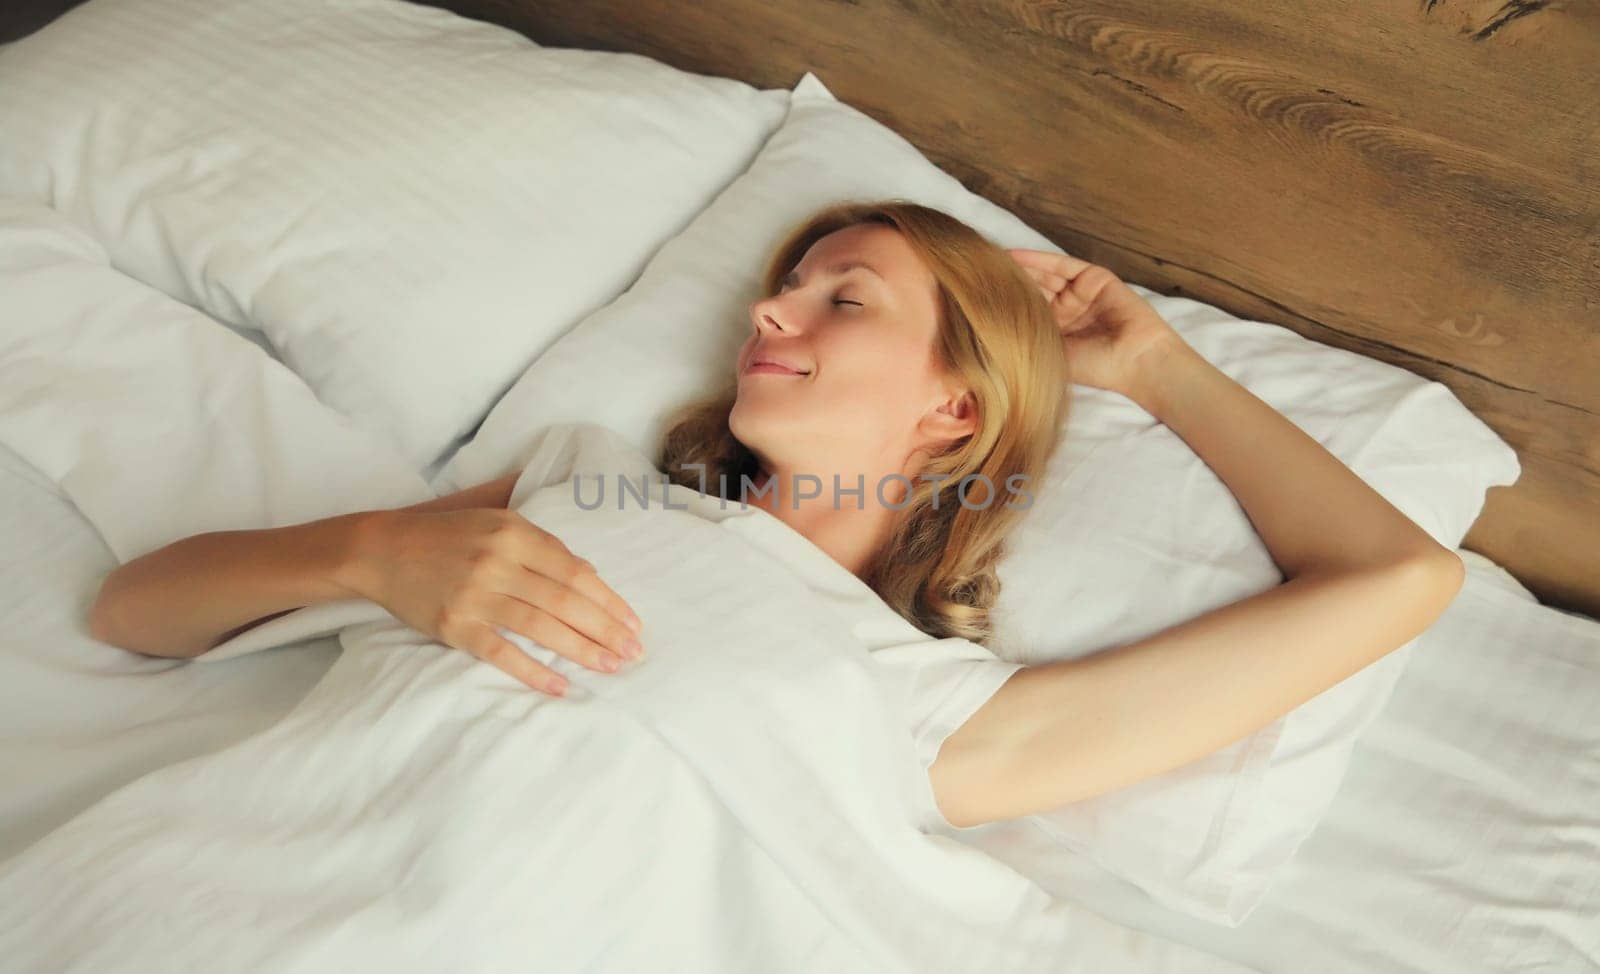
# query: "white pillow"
x,y
1133,533
411,204
155,421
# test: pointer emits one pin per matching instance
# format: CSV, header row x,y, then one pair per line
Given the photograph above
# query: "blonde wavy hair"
x,y
997,335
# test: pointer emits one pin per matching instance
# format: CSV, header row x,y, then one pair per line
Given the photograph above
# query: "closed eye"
x,y
843,301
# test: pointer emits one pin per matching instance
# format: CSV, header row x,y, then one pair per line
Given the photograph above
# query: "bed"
x,y
1465,835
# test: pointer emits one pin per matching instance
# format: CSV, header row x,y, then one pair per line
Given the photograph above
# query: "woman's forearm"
x,y
187,597
193,594
1311,510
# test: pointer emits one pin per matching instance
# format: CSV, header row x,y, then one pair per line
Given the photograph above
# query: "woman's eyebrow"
x,y
843,267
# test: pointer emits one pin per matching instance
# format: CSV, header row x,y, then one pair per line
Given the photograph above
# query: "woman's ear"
x,y
954,416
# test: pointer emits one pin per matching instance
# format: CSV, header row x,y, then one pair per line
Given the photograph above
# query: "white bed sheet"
x,y
1466,836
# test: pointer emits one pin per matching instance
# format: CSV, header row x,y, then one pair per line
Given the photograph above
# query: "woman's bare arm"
x,y
1361,580
193,594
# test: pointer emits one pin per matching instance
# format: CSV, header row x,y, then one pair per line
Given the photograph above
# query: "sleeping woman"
x,y
897,348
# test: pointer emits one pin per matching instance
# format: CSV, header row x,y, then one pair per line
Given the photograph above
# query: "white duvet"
x,y
747,797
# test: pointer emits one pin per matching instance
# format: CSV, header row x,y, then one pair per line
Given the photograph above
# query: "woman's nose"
x,y
769,317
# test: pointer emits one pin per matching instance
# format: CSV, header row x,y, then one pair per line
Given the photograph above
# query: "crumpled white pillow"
x,y
1130,534
155,421
410,204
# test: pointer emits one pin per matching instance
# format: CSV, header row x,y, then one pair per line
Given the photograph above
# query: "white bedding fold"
x,y
154,420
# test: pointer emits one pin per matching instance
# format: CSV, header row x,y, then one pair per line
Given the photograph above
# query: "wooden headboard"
x,y
1417,181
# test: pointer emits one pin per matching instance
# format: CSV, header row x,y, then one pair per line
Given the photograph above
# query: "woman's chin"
x,y
743,420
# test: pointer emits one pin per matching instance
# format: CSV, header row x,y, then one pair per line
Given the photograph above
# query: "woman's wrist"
x,y
364,549
1157,370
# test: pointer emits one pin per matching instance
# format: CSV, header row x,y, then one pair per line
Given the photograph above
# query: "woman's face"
x,y
865,391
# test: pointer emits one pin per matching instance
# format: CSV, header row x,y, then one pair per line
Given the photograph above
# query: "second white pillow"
x,y
410,204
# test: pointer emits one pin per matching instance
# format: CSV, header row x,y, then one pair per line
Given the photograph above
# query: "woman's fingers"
x,y
1064,265
547,555
1094,279
555,634
1049,282
584,577
572,610
490,647
1061,279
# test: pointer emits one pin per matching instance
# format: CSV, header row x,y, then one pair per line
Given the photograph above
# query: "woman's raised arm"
x,y
1361,580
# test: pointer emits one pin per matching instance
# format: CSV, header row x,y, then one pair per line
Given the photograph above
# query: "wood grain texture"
x,y
19,18
1418,182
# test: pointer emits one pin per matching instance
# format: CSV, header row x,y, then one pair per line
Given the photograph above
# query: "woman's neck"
x,y
850,526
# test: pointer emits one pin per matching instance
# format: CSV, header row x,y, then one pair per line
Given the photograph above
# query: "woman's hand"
x,y
455,575
1108,332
